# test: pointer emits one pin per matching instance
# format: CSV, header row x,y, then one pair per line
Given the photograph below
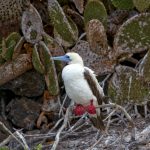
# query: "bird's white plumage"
x,y
76,85
82,87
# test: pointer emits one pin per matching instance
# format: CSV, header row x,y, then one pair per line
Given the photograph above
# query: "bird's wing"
x,y
94,85
98,93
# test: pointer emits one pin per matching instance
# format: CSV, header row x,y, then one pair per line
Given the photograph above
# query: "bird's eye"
x,y
67,56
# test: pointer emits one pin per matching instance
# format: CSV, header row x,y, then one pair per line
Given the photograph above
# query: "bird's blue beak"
x,y
64,58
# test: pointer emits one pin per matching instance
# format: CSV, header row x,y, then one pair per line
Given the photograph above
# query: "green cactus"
x,y
95,9
96,36
127,86
31,25
55,49
133,35
9,44
123,4
61,24
50,71
141,5
144,67
37,61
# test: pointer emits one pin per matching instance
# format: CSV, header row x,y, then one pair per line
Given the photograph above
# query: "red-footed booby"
x,y
82,87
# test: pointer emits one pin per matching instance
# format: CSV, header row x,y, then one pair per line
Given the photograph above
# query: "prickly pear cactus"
x,y
133,35
8,45
100,65
9,12
61,24
56,50
95,9
32,26
36,60
141,5
50,70
10,15
123,4
96,37
144,66
127,86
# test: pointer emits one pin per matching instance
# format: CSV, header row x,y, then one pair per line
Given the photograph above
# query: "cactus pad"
x,y
96,36
141,5
36,60
133,35
95,9
32,26
9,44
101,65
61,23
123,4
50,71
127,86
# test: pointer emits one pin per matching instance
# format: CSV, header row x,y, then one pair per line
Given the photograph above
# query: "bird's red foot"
x,y
91,109
79,110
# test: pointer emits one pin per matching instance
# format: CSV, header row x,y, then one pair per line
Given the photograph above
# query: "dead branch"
x,y
13,69
5,141
92,147
23,140
118,107
109,120
62,106
61,129
6,129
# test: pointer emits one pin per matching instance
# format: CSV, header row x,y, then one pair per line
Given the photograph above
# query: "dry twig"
x,y
61,129
5,128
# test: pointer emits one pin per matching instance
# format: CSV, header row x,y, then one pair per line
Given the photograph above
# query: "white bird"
x,y
82,87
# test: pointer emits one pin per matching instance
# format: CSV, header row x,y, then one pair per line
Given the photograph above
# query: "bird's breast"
x,y
76,86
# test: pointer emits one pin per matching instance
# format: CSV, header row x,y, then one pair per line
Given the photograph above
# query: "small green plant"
x,y
38,147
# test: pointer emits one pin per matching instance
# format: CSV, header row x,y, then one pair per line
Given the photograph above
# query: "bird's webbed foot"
x,y
79,110
91,109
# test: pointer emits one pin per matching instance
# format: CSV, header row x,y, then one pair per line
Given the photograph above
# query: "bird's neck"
x,y
78,63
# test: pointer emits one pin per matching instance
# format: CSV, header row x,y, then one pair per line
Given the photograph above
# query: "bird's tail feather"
x,y
97,122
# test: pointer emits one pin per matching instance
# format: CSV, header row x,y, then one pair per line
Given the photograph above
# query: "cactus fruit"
x,y
141,5
32,26
123,4
95,9
61,24
96,37
133,35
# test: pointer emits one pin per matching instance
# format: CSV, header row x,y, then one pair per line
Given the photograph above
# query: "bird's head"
x,y
70,58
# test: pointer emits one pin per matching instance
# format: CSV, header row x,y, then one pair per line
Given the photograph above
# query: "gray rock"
x,y
23,112
30,84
